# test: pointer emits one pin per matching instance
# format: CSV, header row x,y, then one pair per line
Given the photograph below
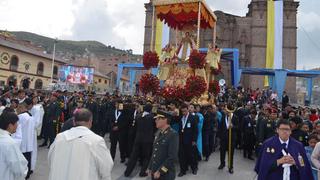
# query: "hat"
x,y
273,110
163,114
80,100
55,94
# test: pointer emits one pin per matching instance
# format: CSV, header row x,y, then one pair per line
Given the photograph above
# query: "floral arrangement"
x,y
214,87
196,85
175,93
197,60
149,84
150,59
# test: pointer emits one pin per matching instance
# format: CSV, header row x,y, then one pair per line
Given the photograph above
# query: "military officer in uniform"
x,y
267,127
51,118
165,150
249,134
297,133
94,108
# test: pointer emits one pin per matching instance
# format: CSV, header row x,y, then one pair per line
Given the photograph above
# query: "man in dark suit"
x,y
143,141
133,114
229,124
187,142
118,134
208,130
249,134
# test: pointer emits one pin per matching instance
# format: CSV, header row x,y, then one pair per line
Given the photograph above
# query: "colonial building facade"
x,y
20,61
249,35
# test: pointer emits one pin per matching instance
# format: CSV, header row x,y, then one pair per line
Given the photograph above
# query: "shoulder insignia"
x,y
272,150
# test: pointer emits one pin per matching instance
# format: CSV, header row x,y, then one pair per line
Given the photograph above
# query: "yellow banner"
x,y
158,43
270,39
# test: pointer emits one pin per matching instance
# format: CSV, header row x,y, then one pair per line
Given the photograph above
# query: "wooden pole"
x,y
229,143
152,28
214,34
199,24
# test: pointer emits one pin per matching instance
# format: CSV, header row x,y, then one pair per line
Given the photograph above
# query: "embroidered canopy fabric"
x,y
179,14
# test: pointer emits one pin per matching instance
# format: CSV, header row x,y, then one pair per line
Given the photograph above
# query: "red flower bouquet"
x,y
196,86
214,87
150,60
197,60
149,84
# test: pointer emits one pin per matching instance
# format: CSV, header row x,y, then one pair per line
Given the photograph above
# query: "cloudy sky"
x,y
121,22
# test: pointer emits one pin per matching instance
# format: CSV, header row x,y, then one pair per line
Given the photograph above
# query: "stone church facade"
x,y
249,35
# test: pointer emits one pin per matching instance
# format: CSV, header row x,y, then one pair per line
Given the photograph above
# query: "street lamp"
x,y
53,56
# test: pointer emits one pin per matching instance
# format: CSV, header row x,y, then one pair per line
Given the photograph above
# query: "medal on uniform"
x,y
272,150
117,114
301,161
268,125
268,150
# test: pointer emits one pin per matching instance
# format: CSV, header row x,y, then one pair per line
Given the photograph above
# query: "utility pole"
x,y
53,56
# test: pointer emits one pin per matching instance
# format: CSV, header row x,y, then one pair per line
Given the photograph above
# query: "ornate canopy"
x,y
179,14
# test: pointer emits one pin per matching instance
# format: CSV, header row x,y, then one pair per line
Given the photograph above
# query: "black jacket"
x,y
145,129
189,133
222,128
121,122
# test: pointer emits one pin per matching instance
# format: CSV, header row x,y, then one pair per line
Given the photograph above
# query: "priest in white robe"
x,y
80,154
28,127
37,113
13,165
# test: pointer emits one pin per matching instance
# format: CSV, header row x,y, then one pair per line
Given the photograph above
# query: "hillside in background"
x,y
71,49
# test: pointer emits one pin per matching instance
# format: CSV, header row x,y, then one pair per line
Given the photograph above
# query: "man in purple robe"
x,y
282,157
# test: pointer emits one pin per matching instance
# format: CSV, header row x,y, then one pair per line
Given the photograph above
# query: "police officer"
x,y
93,107
267,126
165,150
249,134
297,133
51,118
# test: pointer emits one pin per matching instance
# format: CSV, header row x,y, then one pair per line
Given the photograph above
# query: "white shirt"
x,y
287,142
79,154
13,165
1,109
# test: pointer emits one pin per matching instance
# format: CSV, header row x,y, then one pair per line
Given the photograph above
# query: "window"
x,y
99,80
14,62
55,71
105,81
38,84
40,68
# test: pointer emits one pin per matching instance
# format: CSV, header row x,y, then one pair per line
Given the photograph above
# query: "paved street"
x,y
243,169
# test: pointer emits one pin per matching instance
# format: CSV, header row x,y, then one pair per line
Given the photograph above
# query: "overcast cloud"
x,y
120,23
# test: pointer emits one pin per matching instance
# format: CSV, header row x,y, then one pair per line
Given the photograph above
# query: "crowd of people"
x,y
156,133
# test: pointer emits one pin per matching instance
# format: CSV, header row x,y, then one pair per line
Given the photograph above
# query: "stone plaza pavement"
x,y
243,169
